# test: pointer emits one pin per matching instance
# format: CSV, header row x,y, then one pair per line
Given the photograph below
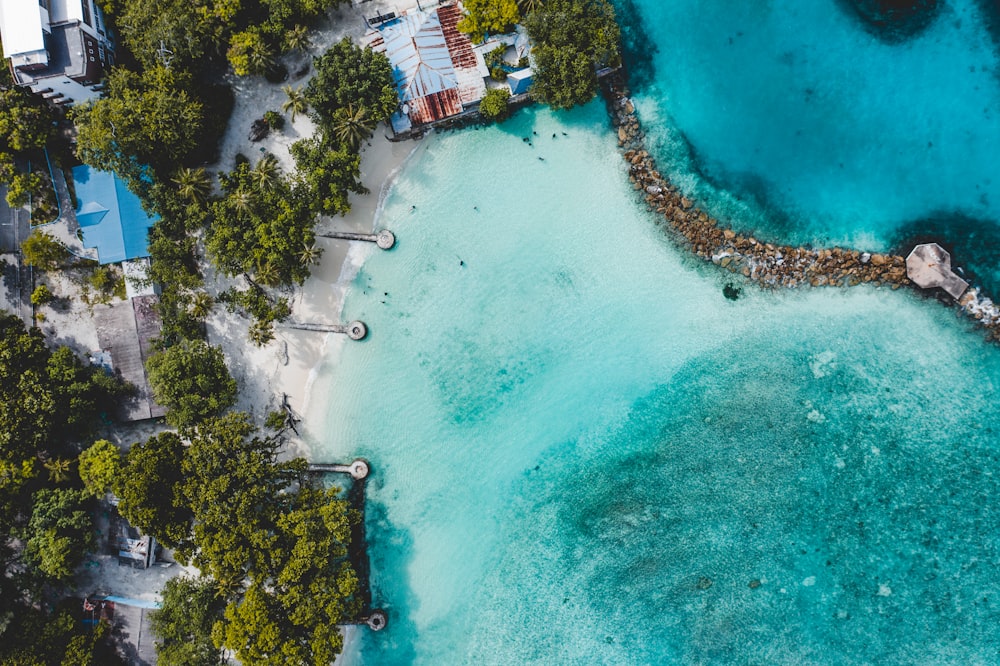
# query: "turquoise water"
x,y
791,118
584,453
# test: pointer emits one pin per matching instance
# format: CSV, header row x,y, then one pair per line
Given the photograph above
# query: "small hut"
x,y
929,266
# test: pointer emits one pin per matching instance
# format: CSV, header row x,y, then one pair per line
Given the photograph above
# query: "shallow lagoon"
x,y
584,452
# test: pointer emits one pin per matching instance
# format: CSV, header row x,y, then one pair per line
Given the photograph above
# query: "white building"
x,y
58,48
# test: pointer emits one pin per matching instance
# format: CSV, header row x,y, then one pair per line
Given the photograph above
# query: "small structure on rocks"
x,y
929,266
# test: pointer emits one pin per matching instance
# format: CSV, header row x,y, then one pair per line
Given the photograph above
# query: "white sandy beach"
x,y
287,365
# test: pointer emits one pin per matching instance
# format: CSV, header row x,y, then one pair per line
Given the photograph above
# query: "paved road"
x,y
14,228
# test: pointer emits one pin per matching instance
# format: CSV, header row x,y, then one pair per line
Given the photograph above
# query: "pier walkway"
x,y
385,239
356,330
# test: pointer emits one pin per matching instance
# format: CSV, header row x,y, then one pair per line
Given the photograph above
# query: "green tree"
x,y
47,401
233,484
349,75
149,489
21,187
42,295
59,532
297,38
175,32
266,236
352,126
330,174
572,39
183,624
100,467
58,469
145,119
265,311
493,106
250,52
26,123
193,184
192,381
295,101
43,251
201,305
483,17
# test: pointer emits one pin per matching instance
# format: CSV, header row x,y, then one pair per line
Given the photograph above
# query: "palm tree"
x,y
297,39
352,127
526,6
266,172
201,305
261,332
267,273
58,469
193,184
260,57
296,102
310,254
242,201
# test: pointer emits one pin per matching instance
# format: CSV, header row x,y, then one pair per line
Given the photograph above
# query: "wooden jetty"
x,y
356,330
358,469
385,239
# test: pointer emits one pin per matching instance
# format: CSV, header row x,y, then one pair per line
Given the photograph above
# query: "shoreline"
x,y
289,363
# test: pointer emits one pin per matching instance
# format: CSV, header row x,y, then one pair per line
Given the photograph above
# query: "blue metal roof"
x,y
110,216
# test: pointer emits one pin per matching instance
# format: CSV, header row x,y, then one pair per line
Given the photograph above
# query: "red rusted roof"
x,y
459,45
436,106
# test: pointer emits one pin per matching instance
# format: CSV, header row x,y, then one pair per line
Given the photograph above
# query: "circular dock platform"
x,y
357,330
377,620
359,469
385,239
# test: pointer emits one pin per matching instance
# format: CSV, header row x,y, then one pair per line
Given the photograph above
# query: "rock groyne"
x,y
768,264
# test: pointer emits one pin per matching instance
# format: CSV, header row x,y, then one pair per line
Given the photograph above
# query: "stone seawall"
x,y
768,264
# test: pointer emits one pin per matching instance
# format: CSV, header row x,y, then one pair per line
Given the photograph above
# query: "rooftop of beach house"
x,y
110,216
439,73
60,49
112,221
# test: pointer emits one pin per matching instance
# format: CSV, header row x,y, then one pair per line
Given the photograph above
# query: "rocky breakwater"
x,y
768,264
980,307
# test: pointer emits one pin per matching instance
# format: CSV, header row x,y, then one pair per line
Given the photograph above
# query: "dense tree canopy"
x,y
572,38
262,224
59,533
47,400
330,173
144,119
484,17
232,482
100,467
26,125
183,624
192,381
349,75
149,489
